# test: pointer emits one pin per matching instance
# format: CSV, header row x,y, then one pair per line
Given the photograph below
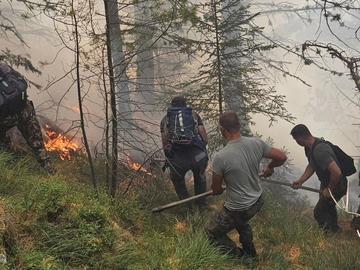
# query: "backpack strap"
x,y
194,114
311,153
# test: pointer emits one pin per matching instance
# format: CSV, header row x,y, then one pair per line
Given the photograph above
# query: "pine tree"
x,y
229,77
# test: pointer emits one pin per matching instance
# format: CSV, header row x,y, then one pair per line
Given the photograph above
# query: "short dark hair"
x,y
178,101
229,121
300,131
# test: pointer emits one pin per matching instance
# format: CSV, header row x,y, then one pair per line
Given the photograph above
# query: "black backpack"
x,y
346,162
181,125
13,88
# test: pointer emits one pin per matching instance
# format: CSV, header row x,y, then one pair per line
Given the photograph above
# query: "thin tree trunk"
x,y
233,85
121,81
107,156
145,87
82,120
218,57
114,157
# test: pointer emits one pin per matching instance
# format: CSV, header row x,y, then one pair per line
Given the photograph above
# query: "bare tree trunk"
x,y
218,57
145,57
121,80
107,156
233,86
82,120
108,5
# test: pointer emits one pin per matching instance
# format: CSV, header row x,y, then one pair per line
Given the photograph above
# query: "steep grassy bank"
x,y
60,223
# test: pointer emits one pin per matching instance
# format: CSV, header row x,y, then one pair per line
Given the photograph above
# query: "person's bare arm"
x,y
277,157
216,184
309,171
335,175
203,134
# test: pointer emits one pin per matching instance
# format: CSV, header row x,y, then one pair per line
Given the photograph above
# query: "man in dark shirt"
x,y
323,161
184,157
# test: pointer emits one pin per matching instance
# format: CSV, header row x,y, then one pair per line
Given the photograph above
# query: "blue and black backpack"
x,y
182,125
13,88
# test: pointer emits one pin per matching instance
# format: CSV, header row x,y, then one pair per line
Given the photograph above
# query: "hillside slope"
x,y
60,223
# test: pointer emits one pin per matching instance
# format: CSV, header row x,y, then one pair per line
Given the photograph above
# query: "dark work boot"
x,y
249,250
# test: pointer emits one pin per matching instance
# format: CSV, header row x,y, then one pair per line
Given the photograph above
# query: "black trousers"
x,y
325,211
226,220
185,159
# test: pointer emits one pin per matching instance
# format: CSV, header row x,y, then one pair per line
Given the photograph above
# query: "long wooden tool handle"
x,y
208,193
290,185
170,205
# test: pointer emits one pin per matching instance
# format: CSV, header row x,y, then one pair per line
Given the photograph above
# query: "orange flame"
x,y
60,143
136,166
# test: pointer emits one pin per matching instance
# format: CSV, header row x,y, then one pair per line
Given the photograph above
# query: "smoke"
x,y
330,106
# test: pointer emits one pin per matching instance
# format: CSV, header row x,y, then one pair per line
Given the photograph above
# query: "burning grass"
x,y
65,146
135,166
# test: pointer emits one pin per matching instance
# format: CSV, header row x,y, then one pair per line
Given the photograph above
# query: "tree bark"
x,y
218,57
121,80
233,86
78,84
145,56
114,157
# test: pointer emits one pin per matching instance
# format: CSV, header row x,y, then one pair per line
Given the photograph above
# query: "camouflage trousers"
x,y
227,220
29,127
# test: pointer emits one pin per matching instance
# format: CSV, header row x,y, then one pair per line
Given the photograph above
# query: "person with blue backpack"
x,y
184,141
331,165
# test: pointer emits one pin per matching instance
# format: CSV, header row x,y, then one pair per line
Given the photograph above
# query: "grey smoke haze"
x,y
330,106
327,107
